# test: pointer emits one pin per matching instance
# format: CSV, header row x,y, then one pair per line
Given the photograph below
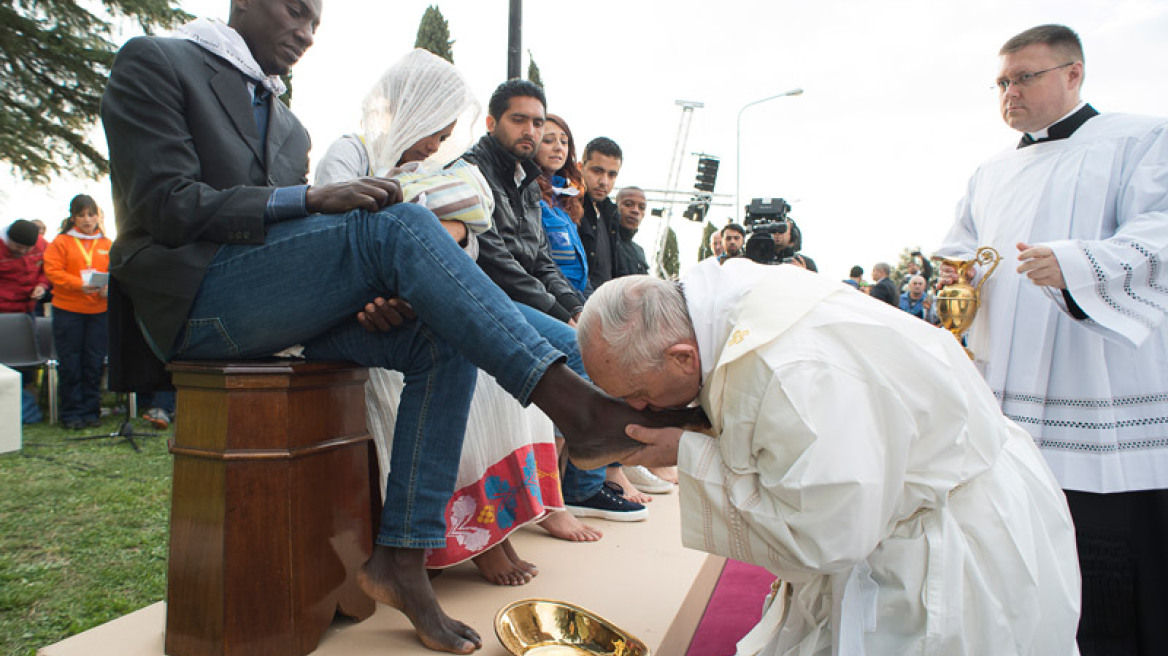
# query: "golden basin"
x,y
543,627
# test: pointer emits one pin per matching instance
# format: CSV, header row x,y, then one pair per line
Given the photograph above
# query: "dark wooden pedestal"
x,y
271,515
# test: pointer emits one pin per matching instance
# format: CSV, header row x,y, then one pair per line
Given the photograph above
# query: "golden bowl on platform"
x,y
543,627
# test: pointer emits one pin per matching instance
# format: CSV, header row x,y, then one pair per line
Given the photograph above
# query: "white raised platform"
x,y
638,577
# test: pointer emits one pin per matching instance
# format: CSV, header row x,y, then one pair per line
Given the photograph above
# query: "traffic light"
x,y
707,174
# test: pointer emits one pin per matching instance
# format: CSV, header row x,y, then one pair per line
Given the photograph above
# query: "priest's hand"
x,y
661,446
1041,266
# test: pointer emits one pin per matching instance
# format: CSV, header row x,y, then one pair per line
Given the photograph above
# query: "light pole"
x,y
738,149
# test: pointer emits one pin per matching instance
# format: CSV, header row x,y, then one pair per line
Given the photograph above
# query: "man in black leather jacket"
x,y
599,167
514,253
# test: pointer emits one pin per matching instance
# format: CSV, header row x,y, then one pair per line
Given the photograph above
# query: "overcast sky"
x,y
897,111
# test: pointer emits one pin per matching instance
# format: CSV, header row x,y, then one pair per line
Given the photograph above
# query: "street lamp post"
x,y
738,148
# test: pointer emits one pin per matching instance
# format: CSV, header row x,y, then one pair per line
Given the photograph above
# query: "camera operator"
x,y
787,247
774,237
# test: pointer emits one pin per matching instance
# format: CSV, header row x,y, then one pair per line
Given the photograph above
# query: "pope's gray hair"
x,y
637,318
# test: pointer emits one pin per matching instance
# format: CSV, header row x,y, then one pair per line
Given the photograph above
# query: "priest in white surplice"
x,y
856,453
1071,334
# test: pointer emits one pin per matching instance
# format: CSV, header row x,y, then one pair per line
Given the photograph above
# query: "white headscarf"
x,y
219,38
418,96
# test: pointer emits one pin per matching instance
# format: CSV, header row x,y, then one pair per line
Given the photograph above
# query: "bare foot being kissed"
x,y
565,526
501,565
617,475
396,577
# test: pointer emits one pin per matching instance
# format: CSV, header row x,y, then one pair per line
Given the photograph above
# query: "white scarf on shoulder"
x,y
220,39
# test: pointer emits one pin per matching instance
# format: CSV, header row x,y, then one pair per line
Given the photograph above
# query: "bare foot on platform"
x,y
501,565
564,525
617,475
396,577
665,473
524,565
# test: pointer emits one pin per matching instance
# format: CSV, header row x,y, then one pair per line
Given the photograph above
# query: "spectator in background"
x,y
598,228
630,257
561,185
514,254
22,275
77,264
884,289
915,301
733,239
855,277
917,265
716,243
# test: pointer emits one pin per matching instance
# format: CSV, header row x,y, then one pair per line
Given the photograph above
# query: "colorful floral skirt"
x,y
507,476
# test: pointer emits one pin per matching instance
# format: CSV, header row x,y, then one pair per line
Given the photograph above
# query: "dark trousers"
x,y
1123,557
81,346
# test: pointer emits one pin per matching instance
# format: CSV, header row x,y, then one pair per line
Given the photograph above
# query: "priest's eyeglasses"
x,y
1026,79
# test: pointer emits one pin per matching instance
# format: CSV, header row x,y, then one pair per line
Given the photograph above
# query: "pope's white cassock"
x,y
861,458
1092,392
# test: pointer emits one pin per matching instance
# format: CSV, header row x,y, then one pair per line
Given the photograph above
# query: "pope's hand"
x,y
1041,266
660,446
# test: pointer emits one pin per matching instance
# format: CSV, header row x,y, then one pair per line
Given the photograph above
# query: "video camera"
x,y
765,218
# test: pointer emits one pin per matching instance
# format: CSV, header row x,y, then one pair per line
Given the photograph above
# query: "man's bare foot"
x,y
617,475
396,577
497,566
564,525
666,474
593,423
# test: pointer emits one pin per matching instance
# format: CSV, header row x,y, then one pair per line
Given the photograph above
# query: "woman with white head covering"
x,y
415,121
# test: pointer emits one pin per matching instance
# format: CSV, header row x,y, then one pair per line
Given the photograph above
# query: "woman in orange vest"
x,y
77,263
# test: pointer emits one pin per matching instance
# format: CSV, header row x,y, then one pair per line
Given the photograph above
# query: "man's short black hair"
x,y
735,227
501,98
604,146
856,272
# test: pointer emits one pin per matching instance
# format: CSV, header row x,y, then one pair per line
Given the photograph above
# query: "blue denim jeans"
x,y
81,347
304,285
577,484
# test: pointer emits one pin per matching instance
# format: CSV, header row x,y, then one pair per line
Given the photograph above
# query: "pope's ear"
x,y
684,356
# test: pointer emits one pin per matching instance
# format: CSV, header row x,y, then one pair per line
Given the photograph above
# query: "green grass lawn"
x,y
83,533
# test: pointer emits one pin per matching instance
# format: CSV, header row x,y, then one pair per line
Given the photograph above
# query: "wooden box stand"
x,y
272,508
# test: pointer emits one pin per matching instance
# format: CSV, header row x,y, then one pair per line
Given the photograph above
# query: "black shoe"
x,y
609,504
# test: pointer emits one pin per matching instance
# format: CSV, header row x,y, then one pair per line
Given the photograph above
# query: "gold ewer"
x,y
957,303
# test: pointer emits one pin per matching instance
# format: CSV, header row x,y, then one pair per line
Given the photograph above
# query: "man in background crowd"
x,y
855,277
915,301
716,243
630,257
884,289
22,272
733,240
600,166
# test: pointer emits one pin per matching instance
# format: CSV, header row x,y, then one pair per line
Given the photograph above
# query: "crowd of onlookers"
x,y
65,280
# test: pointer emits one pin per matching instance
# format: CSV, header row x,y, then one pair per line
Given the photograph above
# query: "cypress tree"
x,y
434,34
533,70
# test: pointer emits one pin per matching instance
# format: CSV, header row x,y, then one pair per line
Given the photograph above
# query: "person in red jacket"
x,y
22,274
77,264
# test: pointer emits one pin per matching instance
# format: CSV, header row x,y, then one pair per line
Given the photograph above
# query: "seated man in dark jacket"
x,y
630,257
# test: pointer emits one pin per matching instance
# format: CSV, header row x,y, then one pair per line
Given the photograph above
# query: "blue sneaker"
x,y
609,503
